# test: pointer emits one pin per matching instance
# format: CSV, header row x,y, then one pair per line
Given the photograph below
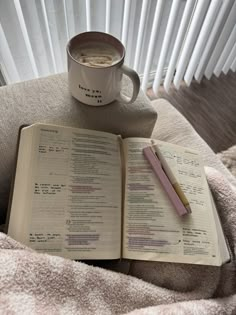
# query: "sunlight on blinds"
x,y
167,41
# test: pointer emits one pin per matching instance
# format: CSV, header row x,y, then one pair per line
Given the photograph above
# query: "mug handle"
x,y
136,84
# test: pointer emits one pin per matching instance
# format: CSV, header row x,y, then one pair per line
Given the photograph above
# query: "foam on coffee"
x,y
95,54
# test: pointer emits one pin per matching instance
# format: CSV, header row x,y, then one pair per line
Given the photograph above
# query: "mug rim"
x,y
120,61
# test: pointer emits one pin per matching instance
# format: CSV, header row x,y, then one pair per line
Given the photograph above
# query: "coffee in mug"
x,y
96,54
95,69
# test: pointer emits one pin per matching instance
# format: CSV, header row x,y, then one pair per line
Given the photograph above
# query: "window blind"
x,y
167,41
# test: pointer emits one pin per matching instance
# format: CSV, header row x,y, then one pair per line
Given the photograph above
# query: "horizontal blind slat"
x,y
66,20
212,40
178,43
151,47
70,12
190,40
49,35
56,21
233,66
26,37
229,60
34,22
165,45
225,53
143,17
108,15
228,26
10,70
125,27
88,15
202,39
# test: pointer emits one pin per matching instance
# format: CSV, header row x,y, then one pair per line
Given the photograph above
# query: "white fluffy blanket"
x,y
32,283
228,158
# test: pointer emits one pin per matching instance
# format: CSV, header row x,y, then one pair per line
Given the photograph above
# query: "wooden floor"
x,y
209,106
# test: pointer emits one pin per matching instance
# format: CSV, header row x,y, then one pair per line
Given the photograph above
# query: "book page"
x,y
223,245
152,228
75,209
17,206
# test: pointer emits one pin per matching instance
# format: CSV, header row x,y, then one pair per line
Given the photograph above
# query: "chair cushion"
x,y
173,127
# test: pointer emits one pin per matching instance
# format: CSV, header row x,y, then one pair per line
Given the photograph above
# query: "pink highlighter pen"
x,y
157,167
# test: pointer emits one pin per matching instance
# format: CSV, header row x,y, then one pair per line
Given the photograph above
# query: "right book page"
x,y
152,229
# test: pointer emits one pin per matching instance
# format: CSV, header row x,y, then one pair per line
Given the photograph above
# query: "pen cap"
x,y
165,165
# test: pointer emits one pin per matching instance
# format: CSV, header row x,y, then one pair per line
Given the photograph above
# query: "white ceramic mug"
x,y
94,85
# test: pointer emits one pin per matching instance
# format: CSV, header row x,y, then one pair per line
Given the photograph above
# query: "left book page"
x,y
67,192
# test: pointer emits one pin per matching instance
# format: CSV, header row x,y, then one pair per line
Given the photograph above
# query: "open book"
x,y
85,194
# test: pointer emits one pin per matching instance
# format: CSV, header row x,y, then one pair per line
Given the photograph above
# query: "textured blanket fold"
x,y
33,283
